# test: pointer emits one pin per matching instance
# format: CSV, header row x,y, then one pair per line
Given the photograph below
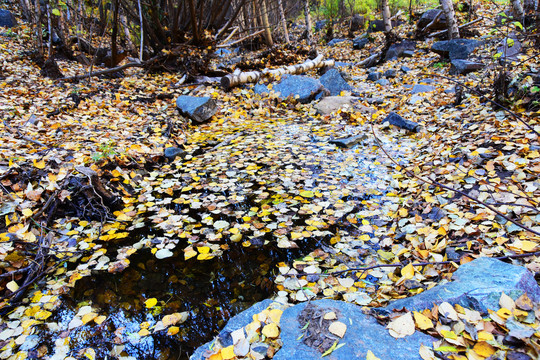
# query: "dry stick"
x,y
438,33
242,39
24,137
102,72
516,116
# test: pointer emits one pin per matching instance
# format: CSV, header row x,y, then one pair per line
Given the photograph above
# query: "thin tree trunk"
x,y
386,16
49,27
39,30
141,48
308,22
127,34
114,35
283,21
266,24
448,9
194,26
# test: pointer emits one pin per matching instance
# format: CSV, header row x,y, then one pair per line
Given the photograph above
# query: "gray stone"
x,y
374,76
405,69
428,17
235,323
408,53
419,88
172,153
378,25
391,73
342,64
382,82
329,104
334,82
455,48
398,49
7,19
363,334
509,49
303,87
335,41
319,25
196,108
478,285
415,99
397,120
463,67
348,142
360,42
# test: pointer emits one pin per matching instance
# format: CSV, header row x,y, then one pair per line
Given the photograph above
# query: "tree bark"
x,y
448,9
386,16
309,35
141,49
518,10
266,24
194,25
283,21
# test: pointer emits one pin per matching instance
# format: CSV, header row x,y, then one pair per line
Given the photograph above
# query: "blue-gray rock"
x,y
363,334
420,88
196,108
359,43
391,73
427,81
304,87
357,23
398,49
7,19
334,82
382,82
430,15
173,152
335,41
374,76
405,69
463,67
509,49
408,53
455,48
348,142
415,99
397,120
319,25
478,285
378,25
235,323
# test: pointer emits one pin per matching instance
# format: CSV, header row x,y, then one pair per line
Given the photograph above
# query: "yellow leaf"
x,y
408,271
203,249
295,235
90,353
228,352
12,286
270,331
338,328
173,330
485,336
189,253
448,334
422,321
371,356
42,314
89,317
307,194
27,212
275,315
524,245
482,348
100,319
143,332
204,256
39,164
150,303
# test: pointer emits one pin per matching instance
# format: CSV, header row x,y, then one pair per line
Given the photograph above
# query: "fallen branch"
x,y
24,137
242,39
104,72
439,33
239,77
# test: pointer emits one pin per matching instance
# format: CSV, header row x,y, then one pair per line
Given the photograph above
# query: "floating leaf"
x,y
150,303
163,253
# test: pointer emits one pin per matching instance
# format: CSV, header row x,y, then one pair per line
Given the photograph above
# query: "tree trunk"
x,y
386,16
283,21
266,24
448,9
341,9
194,26
309,35
518,10
114,35
38,29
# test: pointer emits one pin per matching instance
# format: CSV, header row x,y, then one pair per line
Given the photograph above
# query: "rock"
x,y
196,108
378,25
428,17
391,73
463,67
363,334
357,23
235,323
172,153
329,104
335,41
405,69
303,87
348,142
319,25
7,19
382,82
509,49
420,88
397,120
359,43
374,76
399,49
415,99
477,285
455,48
334,82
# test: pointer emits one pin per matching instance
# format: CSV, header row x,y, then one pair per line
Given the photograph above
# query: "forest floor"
x,y
87,194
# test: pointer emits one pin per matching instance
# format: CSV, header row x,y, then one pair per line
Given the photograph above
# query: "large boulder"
x,y
303,88
455,48
196,108
363,334
329,104
7,19
359,43
334,82
477,285
378,25
462,67
429,16
399,49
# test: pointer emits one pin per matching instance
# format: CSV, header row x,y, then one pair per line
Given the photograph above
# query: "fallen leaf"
x,y
338,328
401,326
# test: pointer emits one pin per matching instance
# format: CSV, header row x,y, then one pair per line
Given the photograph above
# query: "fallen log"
x,y
239,77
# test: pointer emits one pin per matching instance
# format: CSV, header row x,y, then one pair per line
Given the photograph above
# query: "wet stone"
x,y
383,82
374,76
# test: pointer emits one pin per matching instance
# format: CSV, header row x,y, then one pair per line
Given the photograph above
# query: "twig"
x,y
242,39
24,137
103,72
439,33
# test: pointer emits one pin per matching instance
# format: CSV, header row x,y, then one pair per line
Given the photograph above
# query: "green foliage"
x,y
440,64
105,150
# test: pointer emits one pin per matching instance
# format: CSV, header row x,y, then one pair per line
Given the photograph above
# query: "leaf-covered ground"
x,y
82,172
